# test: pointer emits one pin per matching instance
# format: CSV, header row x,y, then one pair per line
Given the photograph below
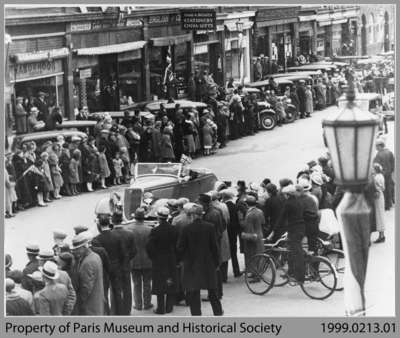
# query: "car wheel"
x,y
268,121
290,114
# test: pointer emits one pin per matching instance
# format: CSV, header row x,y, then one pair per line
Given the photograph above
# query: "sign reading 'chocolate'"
x,y
198,19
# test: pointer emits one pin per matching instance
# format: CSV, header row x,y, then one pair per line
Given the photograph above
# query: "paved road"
x,y
275,154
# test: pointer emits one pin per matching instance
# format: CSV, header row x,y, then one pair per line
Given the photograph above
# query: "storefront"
x,y
31,73
306,36
170,55
207,54
108,66
237,46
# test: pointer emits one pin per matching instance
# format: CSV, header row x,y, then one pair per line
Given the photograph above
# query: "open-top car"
x,y
164,181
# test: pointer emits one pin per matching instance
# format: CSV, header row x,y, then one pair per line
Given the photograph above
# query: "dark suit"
x,y
386,159
114,246
161,249
31,267
301,93
128,239
198,247
43,107
233,233
106,274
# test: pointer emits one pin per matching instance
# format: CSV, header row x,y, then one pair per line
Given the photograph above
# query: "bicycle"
x,y
273,263
326,248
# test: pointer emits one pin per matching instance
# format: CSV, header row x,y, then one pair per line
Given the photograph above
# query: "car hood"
x,y
151,181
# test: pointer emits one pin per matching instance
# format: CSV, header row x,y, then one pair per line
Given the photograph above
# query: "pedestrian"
x,y
89,278
126,169
59,245
74,178
161,248
32,251
15,304
379,201
88,162
198,247
252,234
55,170
301,93
54,118
38,182
320,92
22,184
385,158
104,170
115,248
48,183
207,137
53,299
309,101
130,251
118,165
157,137
293,213
20,117
16,276
188,136
42,106
141,264
10,194
233,228
65,159
167,150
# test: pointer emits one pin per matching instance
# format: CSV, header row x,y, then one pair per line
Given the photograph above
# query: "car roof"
x,y
266,82
312,67
120,114
304,72
251,89
363,96
297,77
76,124
43,135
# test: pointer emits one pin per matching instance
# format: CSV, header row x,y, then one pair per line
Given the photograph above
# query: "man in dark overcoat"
x,y
43,106
198,248
161,249
114,246
128,239
301,94
32,251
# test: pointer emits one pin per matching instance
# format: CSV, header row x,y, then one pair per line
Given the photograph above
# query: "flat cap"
x,y
46,254
32,249
163,212
58,234
80,228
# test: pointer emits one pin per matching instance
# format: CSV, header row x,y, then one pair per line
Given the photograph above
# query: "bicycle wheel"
x,y
260,274
336,257
320,278
281,265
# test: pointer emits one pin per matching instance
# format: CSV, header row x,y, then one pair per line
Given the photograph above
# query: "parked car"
x,y
85,126
41,137
164,181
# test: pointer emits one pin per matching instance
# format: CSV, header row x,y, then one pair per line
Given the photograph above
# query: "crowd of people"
x,y
190,247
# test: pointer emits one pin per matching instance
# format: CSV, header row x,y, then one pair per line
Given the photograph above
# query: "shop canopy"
x,y
171,40
112,49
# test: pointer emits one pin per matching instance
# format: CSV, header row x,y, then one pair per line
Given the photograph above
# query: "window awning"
x,y
111,49
41,55
171,40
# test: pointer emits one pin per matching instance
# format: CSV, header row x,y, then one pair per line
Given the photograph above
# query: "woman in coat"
x,y
74,172
379,202
64,160
88,160
10,194
253,230
25,198
161,249
207,137
55,170
309,101
104,170
48,183
167,150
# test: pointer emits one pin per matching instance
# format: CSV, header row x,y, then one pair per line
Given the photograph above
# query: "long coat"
x,y
90,293
141,233
167,150
379,202
74,171
161,249
104,169
301,93
64,160
253,224
309,101
55,170
53,301
198,247
207,135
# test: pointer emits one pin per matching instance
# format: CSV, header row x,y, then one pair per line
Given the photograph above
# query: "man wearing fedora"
x,y
43,106
88,278
161,248
198,247
53,299
15,304
32,251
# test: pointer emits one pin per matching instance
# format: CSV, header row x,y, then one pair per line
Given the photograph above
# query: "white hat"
x,y
304,183
49,270
163,212
79,240
289,189
316,177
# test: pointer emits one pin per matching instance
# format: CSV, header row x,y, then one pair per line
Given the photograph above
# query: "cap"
x,y
140,213
46,254
79,240
172,204
304,183
380,142
49,270
163,212
80,228
32,249
195,209
289,189
58,234
36,276
75,138
182,201
251,200
65,257
228,193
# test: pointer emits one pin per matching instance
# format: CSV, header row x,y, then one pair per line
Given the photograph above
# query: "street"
x,y
268,154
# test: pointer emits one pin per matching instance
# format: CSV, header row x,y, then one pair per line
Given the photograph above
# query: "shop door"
x,y
109,87
304,45
215,62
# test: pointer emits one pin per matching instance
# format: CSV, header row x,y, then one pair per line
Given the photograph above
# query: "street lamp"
x,y
350,137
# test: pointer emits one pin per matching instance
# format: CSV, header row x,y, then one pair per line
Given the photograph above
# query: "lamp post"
x,y
350,137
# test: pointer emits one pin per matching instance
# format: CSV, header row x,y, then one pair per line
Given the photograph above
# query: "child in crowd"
x,y
103,166
126,164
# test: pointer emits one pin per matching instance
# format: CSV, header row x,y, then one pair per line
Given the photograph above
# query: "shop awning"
x,y
171,40
232,26
41,55
111,49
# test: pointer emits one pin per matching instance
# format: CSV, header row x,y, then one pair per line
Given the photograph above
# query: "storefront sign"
x,y
201,49
134,23
85,73
158,19
278,13
197,19
81,26
37,69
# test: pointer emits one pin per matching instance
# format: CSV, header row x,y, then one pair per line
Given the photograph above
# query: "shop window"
x,y
158,63
130,82
228,64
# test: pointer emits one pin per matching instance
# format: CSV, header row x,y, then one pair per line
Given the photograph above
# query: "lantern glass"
x,y
333,149
346,151
366,138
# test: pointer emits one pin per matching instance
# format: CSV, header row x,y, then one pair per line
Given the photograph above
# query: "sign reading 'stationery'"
x,y
198,19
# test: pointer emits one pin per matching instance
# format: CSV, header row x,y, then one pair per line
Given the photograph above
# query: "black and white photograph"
x,y
212,160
